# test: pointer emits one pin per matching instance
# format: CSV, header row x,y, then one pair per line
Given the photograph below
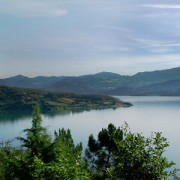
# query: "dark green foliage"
x,y
139,158
99,153
11,162
38,140
47,159
66,162
120,154
63,141
25,99
116,154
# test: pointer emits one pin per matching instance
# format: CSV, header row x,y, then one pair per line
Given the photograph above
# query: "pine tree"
x,y
99,152
47,159
37,139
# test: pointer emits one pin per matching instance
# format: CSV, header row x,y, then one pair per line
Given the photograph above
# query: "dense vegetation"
x,y
164,82
41,157
18,98
117,154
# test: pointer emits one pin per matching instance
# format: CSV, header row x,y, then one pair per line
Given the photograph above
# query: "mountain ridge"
x,y
141,83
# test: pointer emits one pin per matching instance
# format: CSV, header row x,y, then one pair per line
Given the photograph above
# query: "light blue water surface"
x,y
148,114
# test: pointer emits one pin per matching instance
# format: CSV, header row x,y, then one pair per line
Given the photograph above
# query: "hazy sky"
x,y
75,37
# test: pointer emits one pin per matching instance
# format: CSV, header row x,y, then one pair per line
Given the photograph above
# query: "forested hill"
x,y
164,82
25,99
26,82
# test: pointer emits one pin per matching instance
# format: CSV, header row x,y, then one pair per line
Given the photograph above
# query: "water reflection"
x,y
10,116
16,115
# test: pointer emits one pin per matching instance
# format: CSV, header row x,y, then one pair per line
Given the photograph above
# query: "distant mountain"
x,y
164,82
97,83
157,76
167,88
25,82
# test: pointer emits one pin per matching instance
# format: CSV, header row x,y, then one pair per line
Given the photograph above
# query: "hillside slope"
x,y
23,99
164,82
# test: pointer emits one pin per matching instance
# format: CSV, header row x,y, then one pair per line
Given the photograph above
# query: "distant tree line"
x,y
19,98
116,154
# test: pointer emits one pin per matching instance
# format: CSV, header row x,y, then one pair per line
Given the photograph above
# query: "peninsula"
x,y
24,99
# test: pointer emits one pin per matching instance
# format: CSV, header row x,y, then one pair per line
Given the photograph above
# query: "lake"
x,y
147,115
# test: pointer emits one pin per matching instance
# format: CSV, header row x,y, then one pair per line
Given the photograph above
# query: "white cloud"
x,y
31,8
115,28
155,43
163,6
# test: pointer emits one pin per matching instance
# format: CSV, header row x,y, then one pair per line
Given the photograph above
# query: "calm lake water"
x,y
147,115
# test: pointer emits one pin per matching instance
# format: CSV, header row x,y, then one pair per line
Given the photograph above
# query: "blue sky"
x,y
76,37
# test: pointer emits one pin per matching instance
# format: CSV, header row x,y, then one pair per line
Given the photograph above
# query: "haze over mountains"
x,y
164,82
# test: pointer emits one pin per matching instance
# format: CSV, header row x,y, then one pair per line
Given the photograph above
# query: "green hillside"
x,y
25,99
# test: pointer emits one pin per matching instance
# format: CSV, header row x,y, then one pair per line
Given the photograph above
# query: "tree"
x,y
116,154
11,162
121,154
47,159
67,162
38,140
99,154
